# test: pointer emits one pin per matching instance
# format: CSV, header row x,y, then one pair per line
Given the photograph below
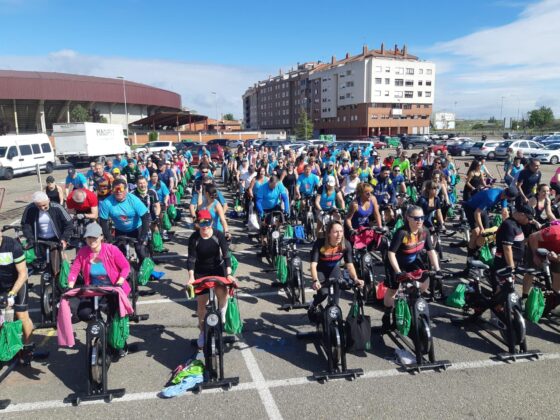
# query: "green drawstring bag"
x,y
234,263
534,306
177,197
145,271
181,189
450,212
457,298
486,255
412,193
398,224
402,316
64,273
289,232
10,340
157,242
195,368
497,221
165,222
281,269
190,172
119,330
30,255
234,324
172,212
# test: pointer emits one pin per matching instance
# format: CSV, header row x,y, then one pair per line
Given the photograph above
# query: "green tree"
x,y
492,120
79,114
228,117
304,127
478,126
539,118
152,136
95,116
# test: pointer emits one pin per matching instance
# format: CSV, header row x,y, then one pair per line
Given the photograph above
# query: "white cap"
x,y
39,197
331,182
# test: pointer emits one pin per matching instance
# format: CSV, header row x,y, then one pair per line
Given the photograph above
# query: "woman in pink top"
x,y
555,181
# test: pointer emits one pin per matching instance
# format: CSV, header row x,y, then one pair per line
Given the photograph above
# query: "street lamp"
x,y
125,107
216,101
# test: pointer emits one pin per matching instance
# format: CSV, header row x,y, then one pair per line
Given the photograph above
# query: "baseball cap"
x,y
93,230
116,171
203,215
526,209
511,192
331,182
71,171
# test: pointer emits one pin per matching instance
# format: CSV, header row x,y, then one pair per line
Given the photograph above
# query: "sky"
x,y
493,57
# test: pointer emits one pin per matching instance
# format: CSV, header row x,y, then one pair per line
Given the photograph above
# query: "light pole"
x,y
216,101
125,106
502,112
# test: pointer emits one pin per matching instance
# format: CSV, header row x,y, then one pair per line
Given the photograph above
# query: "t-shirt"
x,y
80,181
98,274
403,164
150,199
126,215
206,255
89,202
553,180
102,184
328,257
221,198
406,245
307,184
45,226
530,181
551,238
510,233
161,189
486,199
11,254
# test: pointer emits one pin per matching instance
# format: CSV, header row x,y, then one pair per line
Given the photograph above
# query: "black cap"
x,y
50,179
511,192
525,209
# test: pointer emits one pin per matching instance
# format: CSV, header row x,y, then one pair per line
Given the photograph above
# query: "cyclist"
x,y
326,256
102,182
150,199
75,180
54,192
270,195
208,256
528,180
129,216
13,282
476,211
475,180
131,172
431,205
100,264
208,200
47,221
542,205
364,172
328,197
83,201
330,171
398,180
402,162
362,209
384,192
404,256
307,183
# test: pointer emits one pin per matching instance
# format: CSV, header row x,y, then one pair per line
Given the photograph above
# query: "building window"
x,y
399,82
343,118
409,83
341,97
420,82
428,71
428,94
428,83
408,94
349,84
386,93
399,70
398,94
378,80
387,81
348,95
409,71
377,93
407,106
348,72
387,69
419,94
378,69
420,71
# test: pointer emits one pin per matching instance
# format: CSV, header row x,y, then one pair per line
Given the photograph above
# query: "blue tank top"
x,y
361,216
327,201
345,170
217,223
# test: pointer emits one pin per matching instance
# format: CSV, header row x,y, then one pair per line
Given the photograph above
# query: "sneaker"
x,y
200,341
123,352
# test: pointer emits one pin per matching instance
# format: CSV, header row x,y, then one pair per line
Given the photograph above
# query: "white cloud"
x,y
519,61
193,81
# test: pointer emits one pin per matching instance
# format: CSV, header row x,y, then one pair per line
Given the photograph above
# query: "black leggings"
x,y
141,250
323,292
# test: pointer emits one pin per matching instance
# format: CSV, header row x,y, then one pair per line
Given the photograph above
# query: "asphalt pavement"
x,y
273,366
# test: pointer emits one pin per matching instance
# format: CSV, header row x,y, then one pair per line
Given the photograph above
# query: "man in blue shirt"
x,y
75,180
161,189
129,215
120,162
476,210
270,195
306,183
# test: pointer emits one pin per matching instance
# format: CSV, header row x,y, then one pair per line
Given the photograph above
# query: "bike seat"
x,y
471,263
543,252
523,270
504,272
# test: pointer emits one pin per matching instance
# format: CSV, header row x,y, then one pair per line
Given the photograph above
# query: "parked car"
x,y
485,149
438,149
527,146
157,146
297,147
549,154
275,143
550,140
461,147
186,145
216,154
411,142
225,143
21,154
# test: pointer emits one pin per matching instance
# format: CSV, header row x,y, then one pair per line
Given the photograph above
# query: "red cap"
x,y
203,215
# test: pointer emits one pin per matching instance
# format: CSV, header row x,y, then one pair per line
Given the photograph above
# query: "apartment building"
x,y
373,93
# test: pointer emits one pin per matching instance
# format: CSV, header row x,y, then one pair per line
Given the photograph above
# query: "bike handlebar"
x,y
5,228
53,244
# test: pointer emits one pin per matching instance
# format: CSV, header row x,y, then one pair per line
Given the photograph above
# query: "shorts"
x,y
469,212
391,277
20,304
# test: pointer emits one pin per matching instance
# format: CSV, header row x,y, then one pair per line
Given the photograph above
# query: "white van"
x,y
21,154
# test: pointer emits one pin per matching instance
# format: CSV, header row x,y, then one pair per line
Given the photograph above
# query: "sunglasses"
x,y
434,188
119,188
205,223
396,170
417,218
204,172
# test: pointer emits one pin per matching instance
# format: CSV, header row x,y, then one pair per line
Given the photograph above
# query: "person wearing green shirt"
x,y
403,163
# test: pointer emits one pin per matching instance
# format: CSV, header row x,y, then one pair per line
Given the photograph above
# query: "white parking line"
x,y
260,383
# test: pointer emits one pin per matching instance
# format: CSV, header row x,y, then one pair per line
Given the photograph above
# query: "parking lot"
x,y
273,365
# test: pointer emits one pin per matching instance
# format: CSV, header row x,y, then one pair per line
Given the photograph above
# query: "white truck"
x,y
85,142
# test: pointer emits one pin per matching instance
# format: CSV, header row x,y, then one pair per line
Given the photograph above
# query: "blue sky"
x,y
483,49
